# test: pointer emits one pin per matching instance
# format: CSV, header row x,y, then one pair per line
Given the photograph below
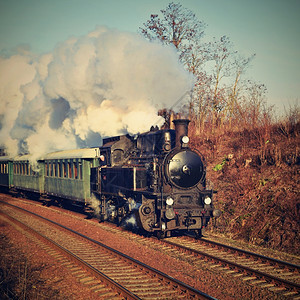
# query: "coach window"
x,y
69,170
64,169
57,168
75,169
80,170
61,169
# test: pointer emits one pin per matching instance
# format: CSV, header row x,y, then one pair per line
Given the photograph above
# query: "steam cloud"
x,y
103,84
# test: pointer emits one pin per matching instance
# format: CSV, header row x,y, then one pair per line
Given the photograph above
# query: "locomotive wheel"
x,y
198,233
160,235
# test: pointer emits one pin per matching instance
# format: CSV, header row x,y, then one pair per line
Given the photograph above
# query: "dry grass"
x,y
19,279
256,173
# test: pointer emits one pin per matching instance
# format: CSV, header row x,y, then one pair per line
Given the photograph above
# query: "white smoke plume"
x,y
103,84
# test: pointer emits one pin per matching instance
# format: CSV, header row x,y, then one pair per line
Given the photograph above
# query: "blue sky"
x,y
269,28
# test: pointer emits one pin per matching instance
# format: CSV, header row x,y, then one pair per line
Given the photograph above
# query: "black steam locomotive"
x,y
155,178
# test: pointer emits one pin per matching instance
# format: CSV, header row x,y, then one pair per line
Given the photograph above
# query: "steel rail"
x,y
259,256
237,266
122,291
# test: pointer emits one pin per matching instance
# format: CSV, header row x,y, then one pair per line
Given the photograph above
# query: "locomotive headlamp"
x,y
207,200
185,139
170,201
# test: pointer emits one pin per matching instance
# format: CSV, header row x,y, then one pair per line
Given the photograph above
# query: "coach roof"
x,y
78,153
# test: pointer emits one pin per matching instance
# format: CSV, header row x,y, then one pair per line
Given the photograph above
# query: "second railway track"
x,y
275,275
260,270
128,278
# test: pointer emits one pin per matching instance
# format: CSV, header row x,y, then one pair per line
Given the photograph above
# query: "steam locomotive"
x,y
157,178
154,179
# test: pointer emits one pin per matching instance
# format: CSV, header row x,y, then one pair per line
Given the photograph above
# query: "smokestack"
x,y
181,129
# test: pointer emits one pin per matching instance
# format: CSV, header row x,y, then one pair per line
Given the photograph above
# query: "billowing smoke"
x,y
102,84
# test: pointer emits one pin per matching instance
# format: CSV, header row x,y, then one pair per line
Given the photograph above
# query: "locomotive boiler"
x,y
155,179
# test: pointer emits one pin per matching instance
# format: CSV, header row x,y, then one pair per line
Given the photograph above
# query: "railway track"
x,y
262,271
266,272
107,271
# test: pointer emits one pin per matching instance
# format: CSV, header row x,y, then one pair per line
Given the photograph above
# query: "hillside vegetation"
x,y
256,174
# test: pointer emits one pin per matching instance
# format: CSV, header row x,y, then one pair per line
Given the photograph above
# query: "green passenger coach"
x,y
67,173
26,177
6,172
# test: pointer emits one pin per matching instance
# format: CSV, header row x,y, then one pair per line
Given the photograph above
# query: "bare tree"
x,y
218,68
178,26
240,64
